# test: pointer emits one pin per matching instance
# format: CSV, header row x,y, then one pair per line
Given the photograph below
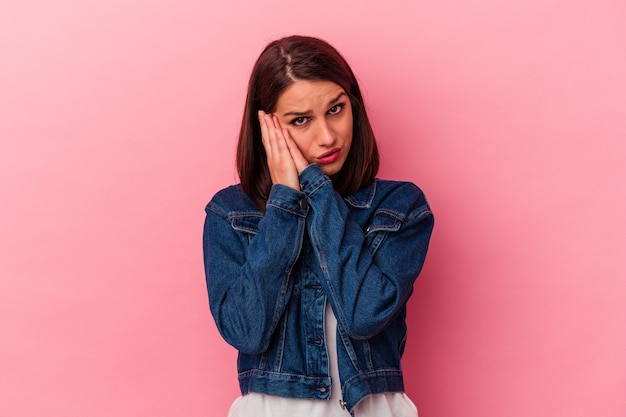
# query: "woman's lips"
x,y
329,157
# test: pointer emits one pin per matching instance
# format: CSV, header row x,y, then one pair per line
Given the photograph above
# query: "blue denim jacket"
x,y
269,277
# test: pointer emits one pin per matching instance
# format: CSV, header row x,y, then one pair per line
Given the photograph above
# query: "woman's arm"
x,y
249,283
367,282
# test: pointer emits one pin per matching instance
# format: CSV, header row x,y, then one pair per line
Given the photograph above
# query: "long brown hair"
x,y
282,63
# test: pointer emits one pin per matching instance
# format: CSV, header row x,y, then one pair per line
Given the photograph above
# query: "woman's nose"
x,y
325,134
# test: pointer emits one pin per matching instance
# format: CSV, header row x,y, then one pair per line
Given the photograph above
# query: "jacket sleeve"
x,y
248,280
367,280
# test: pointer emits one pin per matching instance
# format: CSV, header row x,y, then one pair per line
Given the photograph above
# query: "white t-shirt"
x,y
389,404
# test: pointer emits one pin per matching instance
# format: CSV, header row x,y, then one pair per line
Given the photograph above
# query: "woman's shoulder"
x,y
400,196
231,199
385,185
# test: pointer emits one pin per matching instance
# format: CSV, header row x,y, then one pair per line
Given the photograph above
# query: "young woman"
x,y
310,260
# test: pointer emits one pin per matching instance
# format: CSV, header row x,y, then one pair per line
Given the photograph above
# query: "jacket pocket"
x,y
383,223
246,223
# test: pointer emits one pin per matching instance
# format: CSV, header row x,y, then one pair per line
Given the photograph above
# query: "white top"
x,y
389,404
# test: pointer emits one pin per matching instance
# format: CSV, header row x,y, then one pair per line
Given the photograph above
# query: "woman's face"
x,y
318,116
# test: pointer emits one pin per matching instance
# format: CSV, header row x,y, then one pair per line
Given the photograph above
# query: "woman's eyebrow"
x,y
298,113
336,99
307,112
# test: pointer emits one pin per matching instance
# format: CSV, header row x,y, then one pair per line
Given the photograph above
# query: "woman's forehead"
x,y
305,95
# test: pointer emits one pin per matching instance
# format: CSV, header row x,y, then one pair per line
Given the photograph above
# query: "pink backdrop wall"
x,y
118,122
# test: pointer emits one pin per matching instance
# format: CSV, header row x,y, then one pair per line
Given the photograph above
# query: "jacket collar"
x,y
363,197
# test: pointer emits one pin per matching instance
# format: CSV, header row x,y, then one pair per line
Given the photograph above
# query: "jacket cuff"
x,y
288,199
312,178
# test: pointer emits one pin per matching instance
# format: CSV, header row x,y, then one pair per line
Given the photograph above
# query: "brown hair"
x,y
282,63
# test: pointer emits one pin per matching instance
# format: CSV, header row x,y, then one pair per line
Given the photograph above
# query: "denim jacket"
x,y
269,276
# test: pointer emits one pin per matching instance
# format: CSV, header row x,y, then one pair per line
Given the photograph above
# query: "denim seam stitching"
x,y
287,210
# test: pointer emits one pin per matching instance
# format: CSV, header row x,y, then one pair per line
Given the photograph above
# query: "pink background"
x,y
118,121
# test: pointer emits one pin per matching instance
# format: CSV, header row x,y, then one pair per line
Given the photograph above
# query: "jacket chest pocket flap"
x,y
247,224
383,223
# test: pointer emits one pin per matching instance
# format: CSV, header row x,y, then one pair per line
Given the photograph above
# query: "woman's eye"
x,y
336,109
299,121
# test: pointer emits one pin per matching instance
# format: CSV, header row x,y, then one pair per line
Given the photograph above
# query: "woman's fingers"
x,y
285,141
268,134
271,134
278,138
279,160
295,152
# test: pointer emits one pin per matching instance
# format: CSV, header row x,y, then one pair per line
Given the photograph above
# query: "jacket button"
x,y
303,203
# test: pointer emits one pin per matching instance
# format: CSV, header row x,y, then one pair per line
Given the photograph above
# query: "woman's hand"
x,y
284,159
